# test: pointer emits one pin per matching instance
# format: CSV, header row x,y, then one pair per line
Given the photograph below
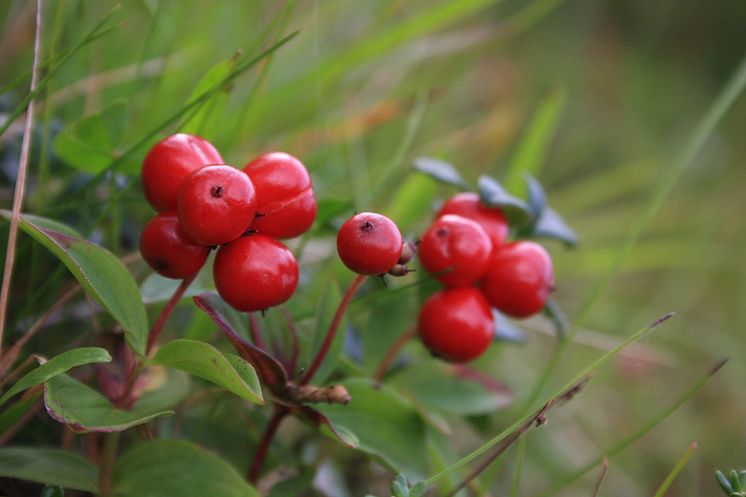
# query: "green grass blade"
x,y
676,470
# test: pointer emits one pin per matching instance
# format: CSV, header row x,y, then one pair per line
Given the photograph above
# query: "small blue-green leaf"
x,y
537,197
551,225
57,365
418,489
559,319
83,409
723,482
205,361
100,273
440,170
506,330
48,466
492,194
171,468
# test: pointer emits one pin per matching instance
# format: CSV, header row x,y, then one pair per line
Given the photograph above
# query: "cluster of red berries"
x,y
204,204
466,249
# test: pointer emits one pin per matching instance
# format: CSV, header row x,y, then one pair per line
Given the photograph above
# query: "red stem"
x,y
261,451
256,334
166,312
294,344
356,283
393,352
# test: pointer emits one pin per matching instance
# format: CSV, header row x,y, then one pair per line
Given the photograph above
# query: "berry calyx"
x,y
456,250
284,195
168,250
255,272
369,243
491,219
456,324
519,279
216,204
170,161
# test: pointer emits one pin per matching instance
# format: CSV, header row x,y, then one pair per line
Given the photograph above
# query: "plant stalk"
x,y
266,441
106,464
166,312
393,353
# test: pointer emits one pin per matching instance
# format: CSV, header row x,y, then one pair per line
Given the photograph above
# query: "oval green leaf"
x,y
205,361
83,409
100,273
48,466
57,365
168,468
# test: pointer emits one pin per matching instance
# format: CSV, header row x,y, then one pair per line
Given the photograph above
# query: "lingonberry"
x,y
169,162
216,204
166,248
284,195
456,250
491,219
255,272
369,243
519,279
456,324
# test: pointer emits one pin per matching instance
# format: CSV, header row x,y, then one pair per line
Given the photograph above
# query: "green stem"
x,y
106,464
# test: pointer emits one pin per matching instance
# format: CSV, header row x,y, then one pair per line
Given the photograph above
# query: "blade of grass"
x,y
57,65
20,185
516,483
604,469
641,432
600,361
676,470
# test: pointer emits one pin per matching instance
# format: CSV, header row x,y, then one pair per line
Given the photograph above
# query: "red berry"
x,y
491,219
255,272
166,248
456,250
456,324
519,279
369,243
169,162
216,204
284,195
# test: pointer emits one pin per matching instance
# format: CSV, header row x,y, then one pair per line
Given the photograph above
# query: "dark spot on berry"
x,y
259,214
366,227
442,232
217,191
161,265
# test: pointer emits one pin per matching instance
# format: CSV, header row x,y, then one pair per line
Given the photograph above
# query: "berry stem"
x,y
294,344
393,353
332,331
255,330
106,463
166,312
261,451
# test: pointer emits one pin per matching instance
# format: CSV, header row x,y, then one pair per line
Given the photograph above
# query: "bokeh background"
x,y
601,98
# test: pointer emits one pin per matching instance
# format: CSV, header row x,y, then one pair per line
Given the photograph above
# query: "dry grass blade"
x,y
20,186
604,469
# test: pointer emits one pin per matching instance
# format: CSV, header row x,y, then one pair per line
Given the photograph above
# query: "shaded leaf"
x,y
329,208
440,170
57,365
205,361
100,273
492,194
49,466
269,370
418,489
169,468
343,435
83,409
165,393
294,486
506,330
52,492
386,425
12,414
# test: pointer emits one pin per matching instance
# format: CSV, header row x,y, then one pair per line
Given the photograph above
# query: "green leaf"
x,y
48,466
440,170
294,486
100,273
88,144
492,194
205,361
84,409
169,392
418,489
386,425
329,208
212,107
453,389
533,147
157,289
52,492
12,414
723,482
169,468
57,365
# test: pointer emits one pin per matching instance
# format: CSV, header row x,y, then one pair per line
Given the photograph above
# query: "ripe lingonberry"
x,y
491,219
456,324
519,279
255,272
216,204
166,248
169,162
369,243
456,250
284,195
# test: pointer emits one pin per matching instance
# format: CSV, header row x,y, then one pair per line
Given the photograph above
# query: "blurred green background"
x,y
600,97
